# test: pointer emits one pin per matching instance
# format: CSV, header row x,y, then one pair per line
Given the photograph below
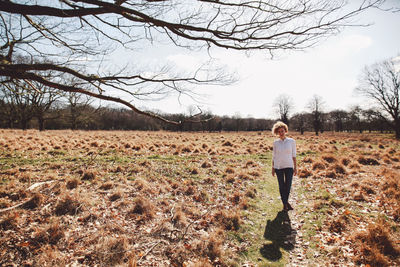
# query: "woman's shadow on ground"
x,y
280,232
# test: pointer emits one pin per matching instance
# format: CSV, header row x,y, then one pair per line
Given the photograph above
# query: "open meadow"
x,y
133,198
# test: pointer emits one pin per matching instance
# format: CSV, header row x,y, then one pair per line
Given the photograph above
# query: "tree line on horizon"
x,y
72,111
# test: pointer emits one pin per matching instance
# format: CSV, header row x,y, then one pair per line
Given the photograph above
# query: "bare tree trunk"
x,y
397,128
316,126
24,124
41,123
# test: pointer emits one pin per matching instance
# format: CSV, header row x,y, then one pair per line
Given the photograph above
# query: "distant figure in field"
x,y
284,161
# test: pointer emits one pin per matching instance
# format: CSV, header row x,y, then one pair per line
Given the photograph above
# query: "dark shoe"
x,y
289,207
285,207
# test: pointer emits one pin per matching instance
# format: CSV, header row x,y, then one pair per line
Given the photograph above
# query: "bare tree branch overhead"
x,y
77,39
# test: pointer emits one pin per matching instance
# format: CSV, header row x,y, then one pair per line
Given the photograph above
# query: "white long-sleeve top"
x,y
283,153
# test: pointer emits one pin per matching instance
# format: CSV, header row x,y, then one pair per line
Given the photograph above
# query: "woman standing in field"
x,y
284,162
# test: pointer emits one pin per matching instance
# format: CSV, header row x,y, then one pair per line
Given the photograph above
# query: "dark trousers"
x,y
285,177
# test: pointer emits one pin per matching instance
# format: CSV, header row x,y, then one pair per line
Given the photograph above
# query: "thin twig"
x,y
39,184
187,227
13,207
150,249
93,156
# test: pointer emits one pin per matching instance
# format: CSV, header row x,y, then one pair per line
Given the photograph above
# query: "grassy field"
x,y
195,199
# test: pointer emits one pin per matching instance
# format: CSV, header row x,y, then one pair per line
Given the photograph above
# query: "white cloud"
x,y
340,48
355,43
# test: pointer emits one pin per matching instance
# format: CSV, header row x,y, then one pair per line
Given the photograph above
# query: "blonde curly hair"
x,y
278,125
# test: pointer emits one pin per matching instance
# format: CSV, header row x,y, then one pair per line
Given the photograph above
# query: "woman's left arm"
x,y
294,158
295,166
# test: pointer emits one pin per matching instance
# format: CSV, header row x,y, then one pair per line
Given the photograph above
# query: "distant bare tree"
x,y
9,107
20,98
356,118
76,39
338,118
374,120
30,100
78,106
237,118
283,105
380,83
298,121
316,107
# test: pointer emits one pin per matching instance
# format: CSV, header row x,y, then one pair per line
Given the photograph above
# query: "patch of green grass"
x,y
306,153
263,156
264,250
168,157
313,217
17,160
57,152
325,195
156,156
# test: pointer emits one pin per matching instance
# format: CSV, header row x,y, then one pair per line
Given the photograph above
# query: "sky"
x,y
330,70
